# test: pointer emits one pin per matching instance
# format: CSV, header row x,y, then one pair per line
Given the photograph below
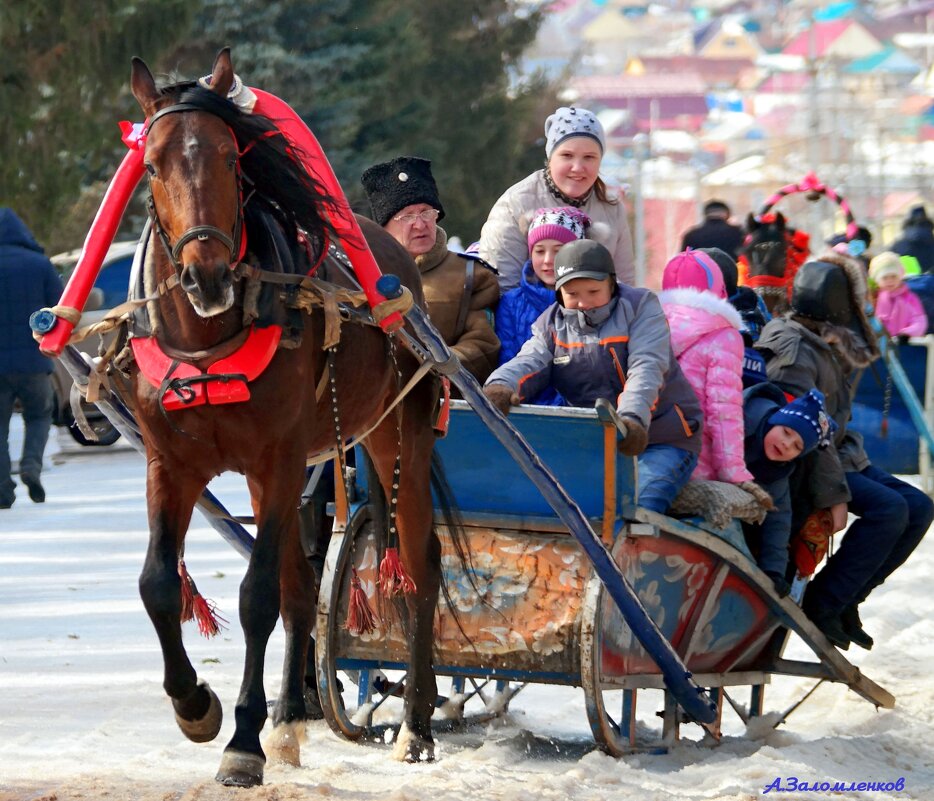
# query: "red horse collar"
x,y
225,381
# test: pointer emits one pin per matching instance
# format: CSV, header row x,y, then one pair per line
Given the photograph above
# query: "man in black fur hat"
x,y
460,289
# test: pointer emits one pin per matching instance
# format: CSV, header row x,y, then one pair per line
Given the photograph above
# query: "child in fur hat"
x,y
897,307
777,434
706,340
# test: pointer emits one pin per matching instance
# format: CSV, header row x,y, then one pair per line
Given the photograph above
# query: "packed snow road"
x,y
83,714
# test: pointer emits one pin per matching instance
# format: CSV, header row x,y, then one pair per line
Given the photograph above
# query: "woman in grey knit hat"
x,y
574,147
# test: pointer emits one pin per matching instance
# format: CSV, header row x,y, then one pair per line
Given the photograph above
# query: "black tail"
x,y
451,517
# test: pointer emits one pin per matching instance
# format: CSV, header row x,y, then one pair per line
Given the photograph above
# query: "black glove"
x,y
501,396
636,440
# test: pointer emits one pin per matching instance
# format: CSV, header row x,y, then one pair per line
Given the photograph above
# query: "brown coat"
x,y
444,276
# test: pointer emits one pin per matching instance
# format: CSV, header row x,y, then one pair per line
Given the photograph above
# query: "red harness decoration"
x,y
225,381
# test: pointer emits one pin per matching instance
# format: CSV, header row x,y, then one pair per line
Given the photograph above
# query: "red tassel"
x,y
884,427
187,592
393,580
196,607
210,621
360,617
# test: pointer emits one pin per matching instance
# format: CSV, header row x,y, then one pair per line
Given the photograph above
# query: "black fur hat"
x,y
393,185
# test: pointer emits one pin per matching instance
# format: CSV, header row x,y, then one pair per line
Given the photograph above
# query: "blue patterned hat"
x,y
807,416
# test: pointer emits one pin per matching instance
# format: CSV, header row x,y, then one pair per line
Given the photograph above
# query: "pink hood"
x,y
709,348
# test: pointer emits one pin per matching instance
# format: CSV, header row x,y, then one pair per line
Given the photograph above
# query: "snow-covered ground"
x,y
83,714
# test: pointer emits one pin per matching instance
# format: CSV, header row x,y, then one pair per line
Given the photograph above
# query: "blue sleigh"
x,y
571,582
536,610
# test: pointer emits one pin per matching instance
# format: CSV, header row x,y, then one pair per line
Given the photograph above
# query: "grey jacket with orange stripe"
x,y
627,357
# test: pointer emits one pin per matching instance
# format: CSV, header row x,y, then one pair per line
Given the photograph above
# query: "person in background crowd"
x,y
820,344
549,231
28,282
460,289
603,339
752,312
897,307
776,435
574,147
917,239
716,231
857,247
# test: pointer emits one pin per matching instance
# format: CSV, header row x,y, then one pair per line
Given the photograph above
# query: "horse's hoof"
x,y
411,748
240,769
283,745
205,728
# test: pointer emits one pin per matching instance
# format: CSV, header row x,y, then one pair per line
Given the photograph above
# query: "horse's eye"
x,y
231,162
150,169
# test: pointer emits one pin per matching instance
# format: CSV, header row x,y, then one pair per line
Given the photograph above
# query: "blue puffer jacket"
x,y
28,282
518,309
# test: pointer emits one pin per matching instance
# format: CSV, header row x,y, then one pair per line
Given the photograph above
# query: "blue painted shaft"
x,y
905,389
122,419
677,677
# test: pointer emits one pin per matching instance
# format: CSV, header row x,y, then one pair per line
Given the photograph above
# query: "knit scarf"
x,y
577,202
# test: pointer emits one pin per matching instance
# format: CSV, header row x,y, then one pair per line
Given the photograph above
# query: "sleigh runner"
x,y
633,600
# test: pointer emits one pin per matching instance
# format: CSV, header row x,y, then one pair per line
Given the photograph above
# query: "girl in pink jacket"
x,y
707,343
897,307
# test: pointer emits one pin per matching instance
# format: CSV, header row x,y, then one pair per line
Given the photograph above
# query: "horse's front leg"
x,y
170,495
276,493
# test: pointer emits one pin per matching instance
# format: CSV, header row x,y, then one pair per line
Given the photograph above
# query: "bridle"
x,y
235,244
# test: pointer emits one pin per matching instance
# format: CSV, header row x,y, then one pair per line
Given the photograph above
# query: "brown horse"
x,y
213,170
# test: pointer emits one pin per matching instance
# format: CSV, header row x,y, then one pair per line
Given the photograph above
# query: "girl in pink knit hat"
x,y
706,339
549,230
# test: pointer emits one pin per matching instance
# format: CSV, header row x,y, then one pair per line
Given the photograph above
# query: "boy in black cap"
x,y
604,339
460,289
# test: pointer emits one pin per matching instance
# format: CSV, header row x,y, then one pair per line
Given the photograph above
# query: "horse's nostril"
x,y
188,280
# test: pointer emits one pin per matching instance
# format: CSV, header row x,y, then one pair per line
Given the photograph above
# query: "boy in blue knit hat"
x,y
777,434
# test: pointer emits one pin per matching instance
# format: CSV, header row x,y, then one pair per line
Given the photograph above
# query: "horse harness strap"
x,y
465,299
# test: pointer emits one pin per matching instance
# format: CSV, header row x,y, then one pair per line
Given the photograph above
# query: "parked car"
x,y
110,289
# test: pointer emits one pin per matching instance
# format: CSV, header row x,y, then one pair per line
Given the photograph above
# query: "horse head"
x,y
766,244
195,195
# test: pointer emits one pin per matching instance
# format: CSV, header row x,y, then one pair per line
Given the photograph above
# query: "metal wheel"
x,y
330,688
610,709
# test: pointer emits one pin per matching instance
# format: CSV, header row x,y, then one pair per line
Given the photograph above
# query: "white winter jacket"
x,y
504,243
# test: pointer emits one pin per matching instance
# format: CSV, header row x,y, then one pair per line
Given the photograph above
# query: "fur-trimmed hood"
x,y
693,315
855,344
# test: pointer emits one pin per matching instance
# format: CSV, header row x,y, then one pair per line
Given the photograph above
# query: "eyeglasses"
x,y
428,216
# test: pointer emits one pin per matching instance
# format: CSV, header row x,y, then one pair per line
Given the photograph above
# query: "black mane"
x,y
271,164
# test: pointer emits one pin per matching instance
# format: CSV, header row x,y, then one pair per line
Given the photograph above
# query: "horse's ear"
x,y
222,74
780,221
143,85
751,222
